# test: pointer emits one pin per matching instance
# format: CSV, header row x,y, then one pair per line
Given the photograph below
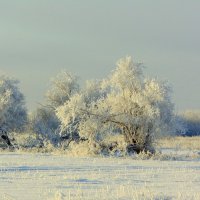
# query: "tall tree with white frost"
x,y
125,103
13,114
44,120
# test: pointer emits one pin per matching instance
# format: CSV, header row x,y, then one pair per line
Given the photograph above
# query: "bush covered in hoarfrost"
x,y
26,140
45,123
13,115
190,120
43,120
125,103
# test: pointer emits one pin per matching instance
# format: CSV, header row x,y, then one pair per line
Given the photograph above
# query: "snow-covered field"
x,y
56,177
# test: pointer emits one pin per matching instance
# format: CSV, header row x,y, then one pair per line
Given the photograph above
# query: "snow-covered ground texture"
x,y
28,176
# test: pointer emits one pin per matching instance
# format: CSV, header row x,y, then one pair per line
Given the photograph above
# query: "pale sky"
x,y
39,38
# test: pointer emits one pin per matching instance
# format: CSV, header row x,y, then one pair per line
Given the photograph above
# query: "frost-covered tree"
x,y
125,103
76,114
139,107
13,114
44,122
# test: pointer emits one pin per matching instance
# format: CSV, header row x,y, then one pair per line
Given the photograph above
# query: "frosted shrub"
x,y
13,115
83,148
191,121
125,103
26,140
43,120
45,123
62,88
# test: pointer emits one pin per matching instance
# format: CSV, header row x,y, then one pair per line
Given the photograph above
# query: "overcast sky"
x,y
38,38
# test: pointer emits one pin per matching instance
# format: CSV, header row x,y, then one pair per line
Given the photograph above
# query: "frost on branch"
x,y
13,114
125,103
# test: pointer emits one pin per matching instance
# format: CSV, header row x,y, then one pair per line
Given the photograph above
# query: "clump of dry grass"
x,y
180,142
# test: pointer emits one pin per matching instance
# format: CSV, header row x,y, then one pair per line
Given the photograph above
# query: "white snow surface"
x,y
59,177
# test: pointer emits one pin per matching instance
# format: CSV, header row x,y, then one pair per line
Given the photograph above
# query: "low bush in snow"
x,y
44,122
26,140
191,122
